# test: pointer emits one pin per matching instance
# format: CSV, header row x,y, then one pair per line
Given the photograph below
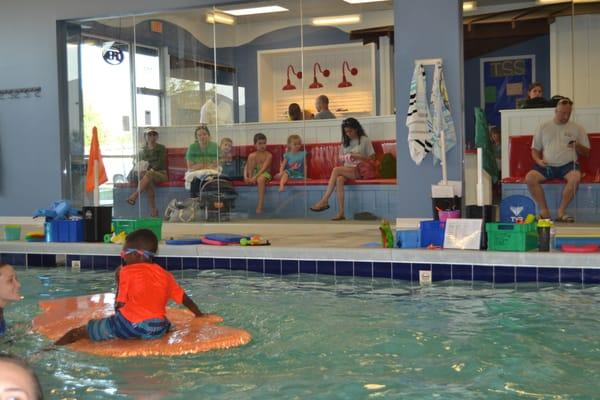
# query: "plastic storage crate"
x,y
432,233
64,231
408,239
511,237
130,225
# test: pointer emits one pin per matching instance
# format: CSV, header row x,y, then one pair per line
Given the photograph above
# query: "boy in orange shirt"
x,y
143,290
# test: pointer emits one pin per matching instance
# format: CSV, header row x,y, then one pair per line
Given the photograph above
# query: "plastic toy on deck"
x,y
254,241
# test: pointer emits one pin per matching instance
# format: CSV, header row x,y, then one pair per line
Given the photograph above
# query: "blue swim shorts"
x,y
117,326
556,172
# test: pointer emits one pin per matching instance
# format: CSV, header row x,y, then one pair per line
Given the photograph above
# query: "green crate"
x,y
511,237
130,225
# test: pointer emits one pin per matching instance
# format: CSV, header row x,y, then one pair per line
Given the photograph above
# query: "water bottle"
x,y
552,237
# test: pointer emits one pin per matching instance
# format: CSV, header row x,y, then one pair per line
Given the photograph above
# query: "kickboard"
x,y
180,242
187,336
586,248
225,237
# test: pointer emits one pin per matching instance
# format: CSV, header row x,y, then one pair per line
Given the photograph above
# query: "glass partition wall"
x,y
216,106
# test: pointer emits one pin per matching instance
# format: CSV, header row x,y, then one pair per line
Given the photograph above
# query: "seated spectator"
x,y
555,148
322,106
201,155
535,97
356,149
232,167
256,171
295,113
153,157
17,380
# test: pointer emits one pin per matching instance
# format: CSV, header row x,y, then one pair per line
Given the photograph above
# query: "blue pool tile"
x,y
591,276
48,260
273,267
419,267
289,267
20,259
99,262
174,263
308,267
401,271
113,262
462,272
441,272
548,275
504,274
344,268
325,267
365,269
206,263
189,263
222,263
87,262
71,258
571,275
527,274
162,261
256,265
483,273
6,258
34,260
238,263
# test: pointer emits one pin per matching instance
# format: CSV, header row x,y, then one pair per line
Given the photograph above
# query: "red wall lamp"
x,y
288,85
354,71
316,84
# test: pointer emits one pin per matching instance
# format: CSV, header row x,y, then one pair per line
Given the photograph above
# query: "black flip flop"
x,y
319,209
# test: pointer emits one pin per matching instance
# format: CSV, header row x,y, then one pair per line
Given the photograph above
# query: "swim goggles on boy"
x,y
143,253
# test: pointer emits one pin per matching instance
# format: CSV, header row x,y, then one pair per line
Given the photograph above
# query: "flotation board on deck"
x,y
188,334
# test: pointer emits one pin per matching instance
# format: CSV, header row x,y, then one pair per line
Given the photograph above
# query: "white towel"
x,y
418,119
199,173
441,116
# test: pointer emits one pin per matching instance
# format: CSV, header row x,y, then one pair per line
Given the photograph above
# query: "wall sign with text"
x,y
504,83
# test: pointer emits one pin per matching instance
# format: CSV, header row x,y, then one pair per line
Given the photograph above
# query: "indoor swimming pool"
x,y
325,337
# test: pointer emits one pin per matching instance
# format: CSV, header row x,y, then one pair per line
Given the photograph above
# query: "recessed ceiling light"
x,y
255,10
363,1
469,5
219,18
339,20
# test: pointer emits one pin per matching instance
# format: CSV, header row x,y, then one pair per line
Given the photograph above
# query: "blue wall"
x,y
539,46
426,29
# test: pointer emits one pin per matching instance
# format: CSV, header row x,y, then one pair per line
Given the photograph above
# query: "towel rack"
x,y
428,61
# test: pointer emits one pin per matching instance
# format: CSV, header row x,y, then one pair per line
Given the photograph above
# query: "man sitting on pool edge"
x,y
143,290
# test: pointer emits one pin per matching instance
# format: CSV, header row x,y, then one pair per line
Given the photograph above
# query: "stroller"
x,y
216,198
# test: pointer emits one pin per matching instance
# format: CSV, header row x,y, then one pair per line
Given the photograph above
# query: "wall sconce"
x,y
316,84
288,85
344,83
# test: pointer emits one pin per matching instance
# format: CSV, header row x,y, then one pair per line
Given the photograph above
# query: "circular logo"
x,y
112,55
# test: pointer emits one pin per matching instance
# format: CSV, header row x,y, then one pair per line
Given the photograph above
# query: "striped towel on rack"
x,y
418,120
441,116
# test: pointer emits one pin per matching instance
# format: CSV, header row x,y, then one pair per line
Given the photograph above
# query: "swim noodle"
x,y
187,336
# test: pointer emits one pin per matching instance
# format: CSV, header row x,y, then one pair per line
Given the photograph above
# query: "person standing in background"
x,y
322,106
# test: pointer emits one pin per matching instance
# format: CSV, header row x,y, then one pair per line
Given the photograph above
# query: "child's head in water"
x,y
294,143
17,380
140,246
9,285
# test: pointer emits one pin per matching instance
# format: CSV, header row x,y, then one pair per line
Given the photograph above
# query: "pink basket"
x,y
444,215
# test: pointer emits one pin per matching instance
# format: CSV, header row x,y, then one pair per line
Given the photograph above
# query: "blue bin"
x,y
64,231
432,233
408,239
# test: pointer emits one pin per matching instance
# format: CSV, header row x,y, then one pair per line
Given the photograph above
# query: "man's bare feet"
x,y
259,211
281,188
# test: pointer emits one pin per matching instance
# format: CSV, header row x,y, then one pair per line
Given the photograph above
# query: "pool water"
x,y
331,338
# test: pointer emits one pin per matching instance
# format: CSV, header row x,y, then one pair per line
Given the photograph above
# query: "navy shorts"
x,y
556,172
117,326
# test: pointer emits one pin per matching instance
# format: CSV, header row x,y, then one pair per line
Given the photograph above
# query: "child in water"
x,y
17,380
257,169
143,290
9,291
292,165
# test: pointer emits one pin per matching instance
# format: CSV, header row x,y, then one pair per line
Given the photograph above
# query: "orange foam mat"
x,y
187,336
